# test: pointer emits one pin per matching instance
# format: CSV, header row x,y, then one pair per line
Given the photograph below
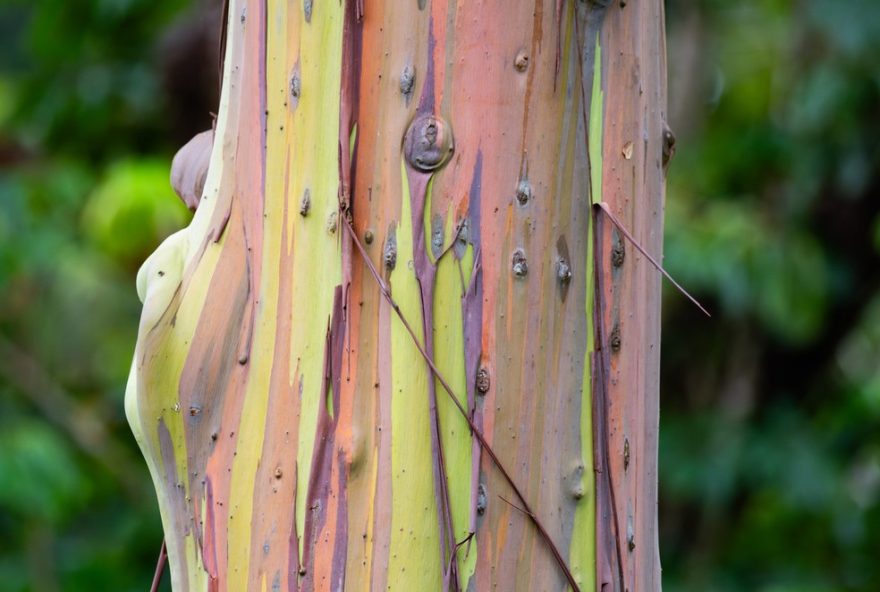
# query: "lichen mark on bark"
x,y
476,431
319,488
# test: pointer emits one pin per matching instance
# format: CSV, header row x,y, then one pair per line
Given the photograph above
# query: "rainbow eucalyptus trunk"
x,y
401,346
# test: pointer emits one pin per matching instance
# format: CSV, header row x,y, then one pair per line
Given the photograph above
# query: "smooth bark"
x,y
296,433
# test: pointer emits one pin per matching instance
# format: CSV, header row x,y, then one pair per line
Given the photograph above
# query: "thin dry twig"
x,y
604,207
160,568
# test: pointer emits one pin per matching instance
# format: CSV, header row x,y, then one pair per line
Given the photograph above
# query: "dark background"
x,y
770,429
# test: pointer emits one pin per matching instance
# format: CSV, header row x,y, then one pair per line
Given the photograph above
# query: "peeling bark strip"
x,y
475,431
285,384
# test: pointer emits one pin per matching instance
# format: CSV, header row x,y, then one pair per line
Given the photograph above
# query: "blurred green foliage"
x,y
770,435
84,197
770,429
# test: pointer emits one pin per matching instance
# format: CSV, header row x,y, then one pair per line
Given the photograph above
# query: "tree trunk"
x,y
401,346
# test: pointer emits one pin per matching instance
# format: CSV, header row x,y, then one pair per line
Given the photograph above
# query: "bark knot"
x,y
520,264
428,143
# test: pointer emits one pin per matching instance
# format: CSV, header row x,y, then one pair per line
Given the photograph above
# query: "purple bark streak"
x,y
320,483
472,320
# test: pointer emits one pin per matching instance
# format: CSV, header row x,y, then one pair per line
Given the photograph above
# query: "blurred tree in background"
x,y
95,95
770,434
770,430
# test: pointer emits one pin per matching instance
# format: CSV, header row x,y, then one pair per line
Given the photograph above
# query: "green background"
x,y
770,428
